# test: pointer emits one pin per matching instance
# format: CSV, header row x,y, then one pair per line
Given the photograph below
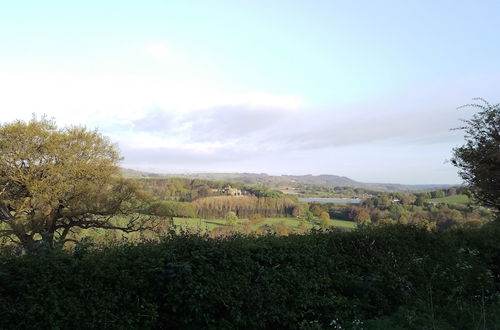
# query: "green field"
x,y
455,199
209,224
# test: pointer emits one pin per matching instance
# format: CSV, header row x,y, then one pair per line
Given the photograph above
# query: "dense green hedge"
x,y
383,278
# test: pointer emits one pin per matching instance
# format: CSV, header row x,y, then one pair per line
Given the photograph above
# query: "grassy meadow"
x,y
287,225
292,223
454,199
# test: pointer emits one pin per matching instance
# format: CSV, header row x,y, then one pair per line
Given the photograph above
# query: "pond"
x,y
331,200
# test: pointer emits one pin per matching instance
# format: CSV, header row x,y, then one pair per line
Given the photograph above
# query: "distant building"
x,y
230,191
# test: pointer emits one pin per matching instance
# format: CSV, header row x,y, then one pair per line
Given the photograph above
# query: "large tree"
x,y
478,159
54,181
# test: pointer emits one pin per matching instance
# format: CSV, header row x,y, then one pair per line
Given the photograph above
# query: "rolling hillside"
x,y
288,181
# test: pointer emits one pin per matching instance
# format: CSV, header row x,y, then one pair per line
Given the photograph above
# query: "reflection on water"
x,y
330,200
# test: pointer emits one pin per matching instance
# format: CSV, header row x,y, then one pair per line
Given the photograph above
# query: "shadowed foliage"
x,y
393,277
479,158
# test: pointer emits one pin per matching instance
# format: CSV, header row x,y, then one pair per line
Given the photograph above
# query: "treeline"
x,y
173,209
245,206
393,277
417,198
260,191
323,191
192,198
431,215
439,193
181,189
187,190
313,190
391,208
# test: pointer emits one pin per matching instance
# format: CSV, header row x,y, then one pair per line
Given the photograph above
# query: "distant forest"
x,y
291,183
196,198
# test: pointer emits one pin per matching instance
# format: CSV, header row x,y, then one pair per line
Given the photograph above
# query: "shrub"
x,y
381,277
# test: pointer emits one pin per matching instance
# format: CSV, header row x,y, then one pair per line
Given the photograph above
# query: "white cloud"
x,y
189,117
87,98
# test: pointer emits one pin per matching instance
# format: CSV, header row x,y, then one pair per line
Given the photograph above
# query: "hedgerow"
x,y
372,278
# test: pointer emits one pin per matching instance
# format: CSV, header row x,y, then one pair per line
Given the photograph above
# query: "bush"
x,y
388,277
231,218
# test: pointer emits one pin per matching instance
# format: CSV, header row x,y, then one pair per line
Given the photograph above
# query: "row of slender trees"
x,y
245,206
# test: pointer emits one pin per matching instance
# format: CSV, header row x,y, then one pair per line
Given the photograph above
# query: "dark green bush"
x,y
372,278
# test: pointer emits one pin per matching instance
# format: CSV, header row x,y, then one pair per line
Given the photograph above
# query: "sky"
x,y
363,89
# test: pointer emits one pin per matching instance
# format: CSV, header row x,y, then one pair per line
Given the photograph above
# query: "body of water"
x,y
330,200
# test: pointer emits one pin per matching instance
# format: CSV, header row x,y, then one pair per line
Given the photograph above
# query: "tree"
x,y
316,209
231,218
324,220
420,200
56,181
478,160
302,224
437,194
382,201
309,216
451,191
362,216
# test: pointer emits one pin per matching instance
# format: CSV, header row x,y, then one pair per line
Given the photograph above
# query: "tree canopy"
x,y
478,159
55,181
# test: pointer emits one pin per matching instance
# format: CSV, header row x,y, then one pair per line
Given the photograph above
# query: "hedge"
x,y
397,277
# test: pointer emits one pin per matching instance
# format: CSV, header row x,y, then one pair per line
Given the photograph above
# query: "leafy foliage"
x,y
54,181
377,278
231,218
260,191
479,158
324,220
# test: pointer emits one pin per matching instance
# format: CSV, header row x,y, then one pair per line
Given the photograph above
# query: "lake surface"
x,y
330,200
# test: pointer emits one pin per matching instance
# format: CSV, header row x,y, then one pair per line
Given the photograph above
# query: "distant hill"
x,y
323,179
128,173
288,181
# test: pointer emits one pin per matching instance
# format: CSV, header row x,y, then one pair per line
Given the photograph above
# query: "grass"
x,y
344,224
454,199
205,225
209,224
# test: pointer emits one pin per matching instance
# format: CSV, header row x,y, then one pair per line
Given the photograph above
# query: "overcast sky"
x,y
364,89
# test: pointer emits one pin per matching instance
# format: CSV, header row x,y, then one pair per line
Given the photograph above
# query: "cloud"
x,y
228,123
407,134
218,124
429,125
155,121
274,129
179,120
108,98
185,156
